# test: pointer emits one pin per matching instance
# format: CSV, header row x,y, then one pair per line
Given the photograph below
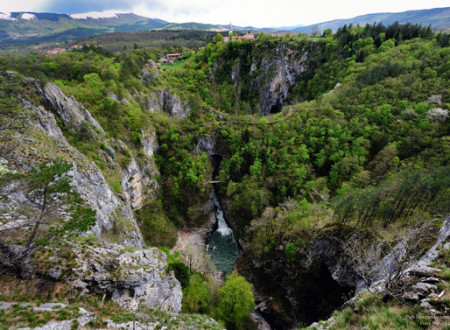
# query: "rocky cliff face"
x,y
138,181
323,276
71,112
269,76
131,278
126,273
42,141
284,65
169,103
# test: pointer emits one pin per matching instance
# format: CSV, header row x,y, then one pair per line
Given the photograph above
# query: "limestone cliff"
x,y
42,141
138,180
125,272
168,102
266,75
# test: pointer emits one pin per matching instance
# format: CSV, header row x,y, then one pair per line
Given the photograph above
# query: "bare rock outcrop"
x,y
132,278
43,141
72,113
168,102
285,65
268,76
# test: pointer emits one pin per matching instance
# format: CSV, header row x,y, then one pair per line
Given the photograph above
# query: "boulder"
x,y
426,305
411,296
422,271
131,278
424,289
430,280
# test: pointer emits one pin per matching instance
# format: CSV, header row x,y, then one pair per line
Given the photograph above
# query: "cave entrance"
x,y
276,108
311,297
321,296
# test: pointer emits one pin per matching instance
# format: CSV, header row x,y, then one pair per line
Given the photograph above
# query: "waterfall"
x,y
223,227
222,246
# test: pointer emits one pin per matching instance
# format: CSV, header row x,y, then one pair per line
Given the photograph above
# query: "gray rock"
x,y
5,305
171,103
54,325
435,99
44,120
424,289
139,182
130,278
411,296
206,144
134,182
72,113
444,234
438,114
432,295
426,305
272,74
434,312
87,179
259,322
153,103
422,271
135,326
429,280
360,286
49,307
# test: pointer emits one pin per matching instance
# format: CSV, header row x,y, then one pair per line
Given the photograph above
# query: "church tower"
x,y
230,31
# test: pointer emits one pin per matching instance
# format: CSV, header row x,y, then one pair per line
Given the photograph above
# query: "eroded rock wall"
x,y
267,75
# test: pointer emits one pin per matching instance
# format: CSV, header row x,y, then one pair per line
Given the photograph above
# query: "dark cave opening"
x,y
276,108
311,297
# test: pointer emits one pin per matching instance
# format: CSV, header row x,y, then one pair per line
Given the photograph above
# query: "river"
x,y
222,246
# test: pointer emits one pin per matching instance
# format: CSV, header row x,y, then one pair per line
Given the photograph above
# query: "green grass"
x,y
176,65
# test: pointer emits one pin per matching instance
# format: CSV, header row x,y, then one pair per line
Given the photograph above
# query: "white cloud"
x,y
28,16
6,16
97,14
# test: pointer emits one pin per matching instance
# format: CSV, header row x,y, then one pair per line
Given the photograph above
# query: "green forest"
x,y
358,142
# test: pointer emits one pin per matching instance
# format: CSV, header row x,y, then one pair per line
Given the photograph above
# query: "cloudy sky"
x,y
259,13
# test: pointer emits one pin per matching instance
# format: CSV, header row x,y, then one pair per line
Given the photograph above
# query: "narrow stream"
x,y
222,246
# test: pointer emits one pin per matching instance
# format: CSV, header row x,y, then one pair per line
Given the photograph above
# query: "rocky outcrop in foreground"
x,y
130,277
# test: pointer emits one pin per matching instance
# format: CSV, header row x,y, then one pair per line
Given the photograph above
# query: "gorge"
x,y
304,168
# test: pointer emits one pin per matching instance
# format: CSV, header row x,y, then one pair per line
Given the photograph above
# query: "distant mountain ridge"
x,y
438,18
17,27
22,27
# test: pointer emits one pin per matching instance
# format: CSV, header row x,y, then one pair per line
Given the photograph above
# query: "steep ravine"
x,y
222,245
291,293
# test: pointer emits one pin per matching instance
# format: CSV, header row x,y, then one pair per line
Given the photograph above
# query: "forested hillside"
x,y
312,142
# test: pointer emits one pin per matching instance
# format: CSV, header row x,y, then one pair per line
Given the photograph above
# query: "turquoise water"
x,y
222,246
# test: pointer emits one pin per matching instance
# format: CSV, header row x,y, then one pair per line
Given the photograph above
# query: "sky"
x,y
258,13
